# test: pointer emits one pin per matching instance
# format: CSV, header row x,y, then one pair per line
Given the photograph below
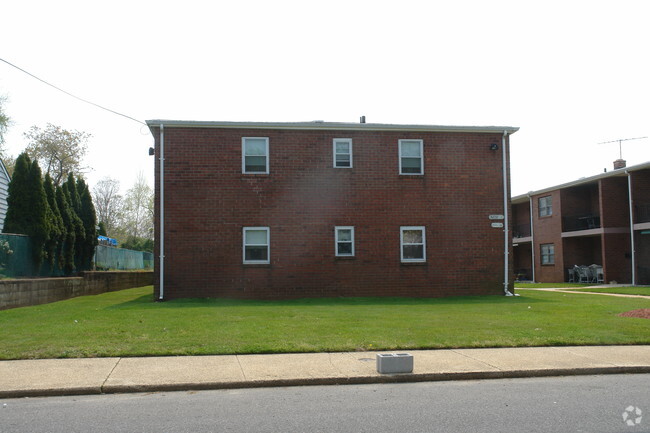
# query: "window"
x,y
342,152
548,254
412,244
256,245
410,157
255,155
344,240
545,206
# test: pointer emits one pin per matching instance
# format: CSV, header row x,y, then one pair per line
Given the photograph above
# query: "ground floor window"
x,y
547,254
344,240
256,245
412,244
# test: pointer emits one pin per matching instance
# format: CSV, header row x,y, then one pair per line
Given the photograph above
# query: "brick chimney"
x,y
619,163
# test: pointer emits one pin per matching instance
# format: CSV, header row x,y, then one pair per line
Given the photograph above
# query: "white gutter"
x,y
506,239
162,214
532,236
629,193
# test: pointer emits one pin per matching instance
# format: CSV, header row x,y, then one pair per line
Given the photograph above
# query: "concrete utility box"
x,y
391,363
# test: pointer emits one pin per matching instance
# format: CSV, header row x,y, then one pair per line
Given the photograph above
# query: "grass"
x,y
633,290
549,285
128,323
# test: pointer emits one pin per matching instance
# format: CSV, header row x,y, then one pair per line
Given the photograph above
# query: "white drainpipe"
x,y
629,193
506,240
162,214
532,236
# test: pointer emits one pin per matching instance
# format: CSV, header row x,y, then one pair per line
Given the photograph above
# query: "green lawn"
x,y
645,291
549,285
128,323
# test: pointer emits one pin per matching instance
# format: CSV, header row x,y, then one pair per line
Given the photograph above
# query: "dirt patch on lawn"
x,y
643,313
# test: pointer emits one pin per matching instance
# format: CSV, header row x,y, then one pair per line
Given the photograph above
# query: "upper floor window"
x,y
410,157
255,155
545,206
344,240
342,152
256,245
413,244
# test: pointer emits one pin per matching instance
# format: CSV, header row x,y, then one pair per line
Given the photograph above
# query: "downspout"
x,y
532,236
161,296
506,232
629,194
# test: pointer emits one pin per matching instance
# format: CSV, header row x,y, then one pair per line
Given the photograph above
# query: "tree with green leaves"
x,y
74,201
27,211
89,219
54,246
59,151
69,241
5,121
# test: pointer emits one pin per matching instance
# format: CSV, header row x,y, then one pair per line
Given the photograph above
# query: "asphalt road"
x,y
566,404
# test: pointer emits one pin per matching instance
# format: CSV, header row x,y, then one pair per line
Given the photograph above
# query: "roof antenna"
x,y
620,148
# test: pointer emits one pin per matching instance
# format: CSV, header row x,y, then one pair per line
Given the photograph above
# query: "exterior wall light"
x,y
494,146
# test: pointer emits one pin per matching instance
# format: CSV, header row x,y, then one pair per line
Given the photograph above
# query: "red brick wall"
x,y
548,230
208,201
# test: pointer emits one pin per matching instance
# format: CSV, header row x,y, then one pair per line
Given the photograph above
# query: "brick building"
x,y
586,222
317,209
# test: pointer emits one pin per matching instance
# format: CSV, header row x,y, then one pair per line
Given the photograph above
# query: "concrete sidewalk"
x,y
32,378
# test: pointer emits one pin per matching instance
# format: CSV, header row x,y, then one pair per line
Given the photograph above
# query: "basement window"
x,y
255,155
256,245
412,244
410,157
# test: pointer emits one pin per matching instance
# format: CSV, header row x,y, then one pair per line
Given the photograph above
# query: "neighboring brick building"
x,y
586,222
317,209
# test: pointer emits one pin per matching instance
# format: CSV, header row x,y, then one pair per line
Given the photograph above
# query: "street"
x,y
613,403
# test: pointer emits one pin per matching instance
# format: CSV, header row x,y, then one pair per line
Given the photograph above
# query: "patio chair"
x,y
598,274
571,272
583,274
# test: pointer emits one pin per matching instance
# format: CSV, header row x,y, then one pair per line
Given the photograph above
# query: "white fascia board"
x,y
583,181
339,126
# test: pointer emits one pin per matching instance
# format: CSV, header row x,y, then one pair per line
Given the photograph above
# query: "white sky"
x,y
569,73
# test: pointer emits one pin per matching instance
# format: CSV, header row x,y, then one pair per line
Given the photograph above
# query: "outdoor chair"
x,y
597,273
583,274
571,272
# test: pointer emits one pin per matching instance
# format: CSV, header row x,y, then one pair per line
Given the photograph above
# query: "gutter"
x,y
532,236
629,193
506,228
161,262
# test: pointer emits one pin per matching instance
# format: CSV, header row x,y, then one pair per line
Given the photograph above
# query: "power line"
x,y
70,94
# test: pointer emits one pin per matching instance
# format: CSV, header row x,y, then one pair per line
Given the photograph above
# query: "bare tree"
x,y
57,150
108,203
138,209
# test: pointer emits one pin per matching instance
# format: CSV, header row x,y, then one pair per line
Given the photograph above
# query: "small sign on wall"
x,y
497,225
496,217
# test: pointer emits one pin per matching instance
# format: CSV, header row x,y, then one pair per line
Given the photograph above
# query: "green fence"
x,y
122,259
16,258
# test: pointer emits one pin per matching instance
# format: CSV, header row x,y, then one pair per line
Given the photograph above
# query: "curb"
x,y
357,380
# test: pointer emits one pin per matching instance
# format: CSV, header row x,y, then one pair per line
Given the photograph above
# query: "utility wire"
x,y
70,94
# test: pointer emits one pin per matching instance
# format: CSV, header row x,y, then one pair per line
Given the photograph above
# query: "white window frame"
x,y
548,206
337,241
402,229
341,140
400,142
547,257
268,246
243,155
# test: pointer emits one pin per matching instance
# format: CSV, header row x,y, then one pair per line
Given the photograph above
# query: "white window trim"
x,y
399,152
334,141
336,240
268,246
402,229
243,155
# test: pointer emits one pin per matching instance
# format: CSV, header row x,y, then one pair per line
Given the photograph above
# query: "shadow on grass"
x,y
147,301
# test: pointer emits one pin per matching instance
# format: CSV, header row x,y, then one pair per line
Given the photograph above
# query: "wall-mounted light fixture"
x,y
494,146
151,151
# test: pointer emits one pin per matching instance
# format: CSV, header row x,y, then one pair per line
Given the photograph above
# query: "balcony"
x,y
642,213
521,231
580,222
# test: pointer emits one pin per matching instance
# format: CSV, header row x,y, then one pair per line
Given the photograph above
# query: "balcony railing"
x,y
580,222
521,231
642,211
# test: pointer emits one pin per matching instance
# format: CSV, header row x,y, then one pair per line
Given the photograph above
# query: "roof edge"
x,y
318,125
582,181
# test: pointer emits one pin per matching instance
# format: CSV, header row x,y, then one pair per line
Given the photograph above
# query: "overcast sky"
x,y
570,74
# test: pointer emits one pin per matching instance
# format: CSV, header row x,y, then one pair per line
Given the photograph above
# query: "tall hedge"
x,y
54,246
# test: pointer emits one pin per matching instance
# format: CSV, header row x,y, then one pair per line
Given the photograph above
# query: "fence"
x,y
16,258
